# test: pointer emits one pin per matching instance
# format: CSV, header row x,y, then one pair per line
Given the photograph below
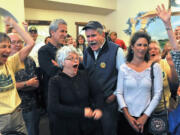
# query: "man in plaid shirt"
x,y
165,16
176,59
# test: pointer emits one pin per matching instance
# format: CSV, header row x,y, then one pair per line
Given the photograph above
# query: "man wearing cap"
x,y
33,32
102,60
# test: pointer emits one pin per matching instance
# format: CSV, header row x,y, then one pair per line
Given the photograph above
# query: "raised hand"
x,y
25,25
164,15
8,21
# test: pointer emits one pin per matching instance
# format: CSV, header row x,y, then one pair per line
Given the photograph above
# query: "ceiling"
x,y
49,5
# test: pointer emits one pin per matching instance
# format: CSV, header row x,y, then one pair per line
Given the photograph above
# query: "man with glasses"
x,y
33,32
16,43
26,84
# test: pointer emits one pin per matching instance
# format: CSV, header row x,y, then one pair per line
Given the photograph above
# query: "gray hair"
x,y
63,53
54,25
100,31
14,34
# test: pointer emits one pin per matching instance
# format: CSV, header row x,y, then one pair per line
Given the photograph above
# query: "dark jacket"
x,y
67,98
103,70
46,54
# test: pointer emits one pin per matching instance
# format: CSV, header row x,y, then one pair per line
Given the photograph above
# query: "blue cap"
x,y
93,25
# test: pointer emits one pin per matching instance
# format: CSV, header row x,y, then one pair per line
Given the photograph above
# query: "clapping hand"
x,y
9,21
25,24
97,114
89,113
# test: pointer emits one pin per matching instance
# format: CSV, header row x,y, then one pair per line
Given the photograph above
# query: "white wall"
x,y
109,4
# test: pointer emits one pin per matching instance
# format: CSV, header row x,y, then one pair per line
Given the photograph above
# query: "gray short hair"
x,y
14,34
100,31
54,25
63,53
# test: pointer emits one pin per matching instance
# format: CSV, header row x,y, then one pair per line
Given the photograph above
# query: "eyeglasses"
x,y
19,42
72,58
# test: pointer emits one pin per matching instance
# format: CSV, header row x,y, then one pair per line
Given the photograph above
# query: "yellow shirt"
x,y
9,98
165,71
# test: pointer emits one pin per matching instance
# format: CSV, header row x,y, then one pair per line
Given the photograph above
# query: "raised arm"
x,y
165,16
23,53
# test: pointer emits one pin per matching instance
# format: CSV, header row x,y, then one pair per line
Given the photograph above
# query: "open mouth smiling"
x,y
153,55
4,55
75,66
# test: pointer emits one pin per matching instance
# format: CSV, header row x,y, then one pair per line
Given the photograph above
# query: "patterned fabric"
x,y
9,98
28,97
176,59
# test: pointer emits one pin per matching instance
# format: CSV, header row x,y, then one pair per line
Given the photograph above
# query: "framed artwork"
x,y
79,27
148,21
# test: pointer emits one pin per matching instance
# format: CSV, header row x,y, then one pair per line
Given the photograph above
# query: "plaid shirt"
x,y
176,59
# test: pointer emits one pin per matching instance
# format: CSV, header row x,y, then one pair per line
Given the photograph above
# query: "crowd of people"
x,y
85,87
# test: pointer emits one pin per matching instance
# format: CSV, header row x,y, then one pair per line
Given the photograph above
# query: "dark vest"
x,y
103,70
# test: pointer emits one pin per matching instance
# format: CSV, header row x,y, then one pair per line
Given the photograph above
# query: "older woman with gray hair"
x,y
74,106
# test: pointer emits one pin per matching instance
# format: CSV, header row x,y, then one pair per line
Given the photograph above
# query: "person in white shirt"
x,y
134,87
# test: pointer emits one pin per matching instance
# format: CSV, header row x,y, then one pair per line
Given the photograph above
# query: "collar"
x,y
100,48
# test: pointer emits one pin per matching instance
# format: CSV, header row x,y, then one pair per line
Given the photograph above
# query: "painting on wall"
x,y
79,27
149,22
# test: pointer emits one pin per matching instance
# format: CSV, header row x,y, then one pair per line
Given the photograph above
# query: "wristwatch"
x,y
25,84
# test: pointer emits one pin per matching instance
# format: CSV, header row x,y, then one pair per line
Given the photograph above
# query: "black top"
x,y
28,94
103,69
46,54
67,98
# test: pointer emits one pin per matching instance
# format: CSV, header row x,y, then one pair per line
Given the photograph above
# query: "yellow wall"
x,y
116,21
109,4
16,7
69,17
